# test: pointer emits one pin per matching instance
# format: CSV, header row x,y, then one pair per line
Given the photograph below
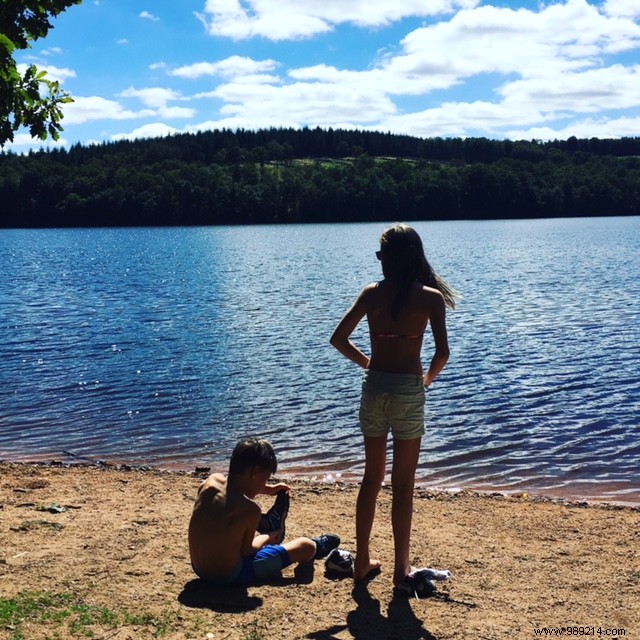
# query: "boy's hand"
x,y
274,536
272,489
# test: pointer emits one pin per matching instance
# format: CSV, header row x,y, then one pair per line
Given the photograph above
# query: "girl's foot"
x,y
399,577
364,572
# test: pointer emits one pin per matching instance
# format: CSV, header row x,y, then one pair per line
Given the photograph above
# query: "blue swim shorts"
x,y
264,564
392,401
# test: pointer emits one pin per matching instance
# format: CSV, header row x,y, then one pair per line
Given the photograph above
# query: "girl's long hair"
x,y
404,262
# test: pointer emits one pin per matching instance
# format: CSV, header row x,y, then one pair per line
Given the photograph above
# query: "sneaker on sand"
x,y
325,543
339,561
434,574
275,518
421,582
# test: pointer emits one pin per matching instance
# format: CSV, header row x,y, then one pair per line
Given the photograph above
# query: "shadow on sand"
x,y
201,594
367,622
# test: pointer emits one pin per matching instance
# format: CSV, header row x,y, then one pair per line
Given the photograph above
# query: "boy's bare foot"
x,y
367,571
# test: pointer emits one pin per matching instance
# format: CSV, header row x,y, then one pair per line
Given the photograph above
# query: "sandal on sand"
x,y
275,518
421,582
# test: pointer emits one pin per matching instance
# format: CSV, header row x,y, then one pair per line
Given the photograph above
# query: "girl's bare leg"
x,y
403,474
375,462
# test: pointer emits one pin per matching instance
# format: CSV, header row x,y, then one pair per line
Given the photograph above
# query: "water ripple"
x,y
163,346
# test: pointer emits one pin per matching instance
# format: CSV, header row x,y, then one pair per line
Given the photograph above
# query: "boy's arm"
x,y
250,541
272,489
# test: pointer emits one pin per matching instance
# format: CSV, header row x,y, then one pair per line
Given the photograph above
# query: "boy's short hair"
x,y
252,452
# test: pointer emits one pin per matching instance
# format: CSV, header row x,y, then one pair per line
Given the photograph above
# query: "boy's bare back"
x,y
221,524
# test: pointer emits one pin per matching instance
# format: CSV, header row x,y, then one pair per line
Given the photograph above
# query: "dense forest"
x,y
316,175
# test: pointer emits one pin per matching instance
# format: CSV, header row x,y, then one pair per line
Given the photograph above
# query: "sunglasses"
x,y
379,255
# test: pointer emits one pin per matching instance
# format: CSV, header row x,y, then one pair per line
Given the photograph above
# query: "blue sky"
x,y
515,69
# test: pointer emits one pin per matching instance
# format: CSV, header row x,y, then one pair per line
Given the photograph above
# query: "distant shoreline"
x,y
224,178
563,495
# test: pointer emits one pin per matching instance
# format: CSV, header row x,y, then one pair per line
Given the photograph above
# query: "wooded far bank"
x,y
316,175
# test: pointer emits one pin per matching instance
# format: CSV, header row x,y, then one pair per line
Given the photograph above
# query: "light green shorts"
x,y
392,401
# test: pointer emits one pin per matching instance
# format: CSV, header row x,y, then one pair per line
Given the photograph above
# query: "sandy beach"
x,y
101,552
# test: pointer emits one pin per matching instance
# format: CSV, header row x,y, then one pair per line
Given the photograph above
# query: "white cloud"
x,y
294,19
454,119
313,103
559,38
615,87
152,130
24,142
545,58
261,121
154,97
58,74
544,65
173,113
588,128
53,73
549,63
145,15
96,108
227,68
392,78
626,8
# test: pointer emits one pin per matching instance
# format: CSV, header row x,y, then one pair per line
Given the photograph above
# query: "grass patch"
x,y
80,618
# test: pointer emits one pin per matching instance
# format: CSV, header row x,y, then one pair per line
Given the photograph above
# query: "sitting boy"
x,y
224,542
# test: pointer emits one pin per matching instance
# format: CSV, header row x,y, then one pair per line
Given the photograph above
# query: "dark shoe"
x,y
275,518
325,543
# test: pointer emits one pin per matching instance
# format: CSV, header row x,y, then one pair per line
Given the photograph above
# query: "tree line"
x,y
316,175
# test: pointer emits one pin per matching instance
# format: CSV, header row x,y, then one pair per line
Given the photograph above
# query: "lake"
x,y
163,346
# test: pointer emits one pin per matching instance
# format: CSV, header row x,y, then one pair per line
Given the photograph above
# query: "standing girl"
x,y
398,310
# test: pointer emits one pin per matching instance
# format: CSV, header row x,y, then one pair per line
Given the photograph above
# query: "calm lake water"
x,y
164,346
